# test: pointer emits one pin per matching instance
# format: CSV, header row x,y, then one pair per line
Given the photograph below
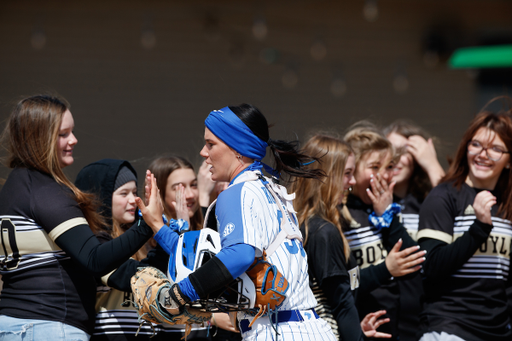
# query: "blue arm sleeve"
x,y
168,239
236,258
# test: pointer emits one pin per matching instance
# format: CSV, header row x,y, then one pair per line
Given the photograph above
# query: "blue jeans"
x,y
15,329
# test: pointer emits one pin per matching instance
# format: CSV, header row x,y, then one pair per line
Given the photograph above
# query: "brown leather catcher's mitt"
x,y
270,285
146,285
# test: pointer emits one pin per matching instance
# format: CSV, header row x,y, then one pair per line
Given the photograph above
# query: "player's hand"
x,y
424,152
205,184
483,203
180,205
380,193
152,213
371,322
401,263
222,320
147,187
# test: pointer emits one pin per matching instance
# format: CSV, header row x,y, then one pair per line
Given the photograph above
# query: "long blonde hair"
x,y
322,198
30,138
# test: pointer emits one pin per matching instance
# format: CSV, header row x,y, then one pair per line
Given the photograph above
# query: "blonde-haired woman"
x,y
50,254
375,232
333,271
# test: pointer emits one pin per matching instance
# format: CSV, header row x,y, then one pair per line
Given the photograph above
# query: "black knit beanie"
x,y
125,175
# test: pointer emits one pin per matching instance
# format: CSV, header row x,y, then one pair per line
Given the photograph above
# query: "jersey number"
x,y
10,248
294,248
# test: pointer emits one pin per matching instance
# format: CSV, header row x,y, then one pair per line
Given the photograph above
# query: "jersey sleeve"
x,y
240,210
55,209
437,216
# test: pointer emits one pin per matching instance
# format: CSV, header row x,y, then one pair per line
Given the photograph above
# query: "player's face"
x,y
66,140
221,158
484,172
123,203
348,175
376,162
187,178
405,166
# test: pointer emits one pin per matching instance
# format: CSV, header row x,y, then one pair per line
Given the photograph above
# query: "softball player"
x,y
250,220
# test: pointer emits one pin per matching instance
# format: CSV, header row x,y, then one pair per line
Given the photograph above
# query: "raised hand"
x,y
152,213
205,184
180,205
380,193
483,203
401,263
424,152
371,322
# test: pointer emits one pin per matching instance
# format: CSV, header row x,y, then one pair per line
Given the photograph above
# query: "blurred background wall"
x,y
141,76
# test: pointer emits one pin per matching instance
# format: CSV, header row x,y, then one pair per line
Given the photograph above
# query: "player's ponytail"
x,y
285,154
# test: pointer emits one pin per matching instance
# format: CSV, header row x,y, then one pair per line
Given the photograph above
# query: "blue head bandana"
x,y
232,131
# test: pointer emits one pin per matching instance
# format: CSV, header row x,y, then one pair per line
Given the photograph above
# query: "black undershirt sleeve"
x,y
204,282
341,300
120,279
396,231
458,252
373,277
99,259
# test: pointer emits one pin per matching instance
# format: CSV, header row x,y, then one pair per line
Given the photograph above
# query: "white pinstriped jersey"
x,y
247,213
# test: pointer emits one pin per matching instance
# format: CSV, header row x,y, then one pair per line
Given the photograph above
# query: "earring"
x,y
239,157
507,166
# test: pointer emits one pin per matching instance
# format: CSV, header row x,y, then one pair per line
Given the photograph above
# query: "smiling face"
x,y
484,172
66,140
405,166
222,159
123,203
187,178
348,176
370,164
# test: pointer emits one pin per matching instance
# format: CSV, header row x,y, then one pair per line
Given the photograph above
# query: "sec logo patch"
x,y
228,229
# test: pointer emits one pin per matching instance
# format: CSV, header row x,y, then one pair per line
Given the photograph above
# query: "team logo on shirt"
x,y
228,229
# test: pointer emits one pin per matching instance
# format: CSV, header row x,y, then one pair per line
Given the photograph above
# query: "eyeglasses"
x,y
494,153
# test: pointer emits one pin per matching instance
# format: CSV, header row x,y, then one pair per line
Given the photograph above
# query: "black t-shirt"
x,y
49,254
334,280
467,266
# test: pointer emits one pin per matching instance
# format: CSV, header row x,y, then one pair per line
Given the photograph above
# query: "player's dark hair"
x,y
30,138
419,182
162,168
501,124
286,155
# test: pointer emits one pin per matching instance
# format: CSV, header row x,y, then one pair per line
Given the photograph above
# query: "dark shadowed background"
x,y
141,76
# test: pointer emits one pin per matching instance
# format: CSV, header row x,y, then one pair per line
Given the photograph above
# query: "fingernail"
x,y
368,190
417,247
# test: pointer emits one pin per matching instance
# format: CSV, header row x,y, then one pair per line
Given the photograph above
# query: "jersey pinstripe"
x,y
247,213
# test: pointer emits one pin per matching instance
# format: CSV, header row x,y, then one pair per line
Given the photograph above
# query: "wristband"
x,y
384,221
